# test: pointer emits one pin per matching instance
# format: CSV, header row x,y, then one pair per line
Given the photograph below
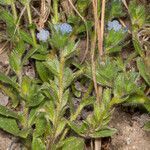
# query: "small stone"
x,y
134,147
3,99
128,140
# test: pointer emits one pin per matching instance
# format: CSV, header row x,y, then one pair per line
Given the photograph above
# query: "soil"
x,y
130,135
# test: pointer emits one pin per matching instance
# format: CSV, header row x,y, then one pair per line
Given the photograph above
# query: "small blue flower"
x,y
43,35
114,25
64,28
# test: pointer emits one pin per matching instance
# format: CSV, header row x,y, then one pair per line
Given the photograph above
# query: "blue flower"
x,y
64,28
43,35
114,25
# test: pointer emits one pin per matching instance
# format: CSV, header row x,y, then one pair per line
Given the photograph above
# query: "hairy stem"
x,y
59,103
30,23
55,7
14,11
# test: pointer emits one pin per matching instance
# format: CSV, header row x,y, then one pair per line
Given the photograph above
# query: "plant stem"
x,y
14,11
59,103
30,23
55,7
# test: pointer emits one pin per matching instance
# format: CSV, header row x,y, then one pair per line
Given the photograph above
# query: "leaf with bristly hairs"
x,y
26,37
69,50
106,72
4,111
5,79
41,125
114,10
53,65
138,47
7,17
143,70
43,71
138,14
125,84
114,44
106,132
10,125
15,62
12,93
38,144
6,2
73,143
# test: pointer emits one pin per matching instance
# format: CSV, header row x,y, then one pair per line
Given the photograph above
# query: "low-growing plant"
x,y
42,111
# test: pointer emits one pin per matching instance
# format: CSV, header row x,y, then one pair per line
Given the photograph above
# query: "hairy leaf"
x,y
38,144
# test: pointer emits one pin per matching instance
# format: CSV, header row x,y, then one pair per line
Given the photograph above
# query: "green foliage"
x,y
114,10
78,143
106,72
6,2
37,144
112,44
144,72
47,114
138,14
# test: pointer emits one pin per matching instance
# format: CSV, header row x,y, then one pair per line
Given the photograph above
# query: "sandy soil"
x,y
130,135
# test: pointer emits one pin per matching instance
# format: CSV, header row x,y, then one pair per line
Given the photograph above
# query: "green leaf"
x,y
106,96
39,56
26,37
115,10
50,109
106,72
103,133
73,143
61,127
38,144
20,48
13,94
65,98
7,80
7,17
114,44
9,125
138,47
40,125
53,66
70,49
26,85
81,129
82,5
43,71
29,54
125,84
143,70
137,12
59,40
68,77
6,2
137,99
15,62
8,113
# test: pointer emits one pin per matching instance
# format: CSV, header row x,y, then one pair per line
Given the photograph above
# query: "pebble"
x,y
128,140
3,99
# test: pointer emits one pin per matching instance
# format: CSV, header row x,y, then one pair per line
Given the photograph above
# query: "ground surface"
x,y
130,135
